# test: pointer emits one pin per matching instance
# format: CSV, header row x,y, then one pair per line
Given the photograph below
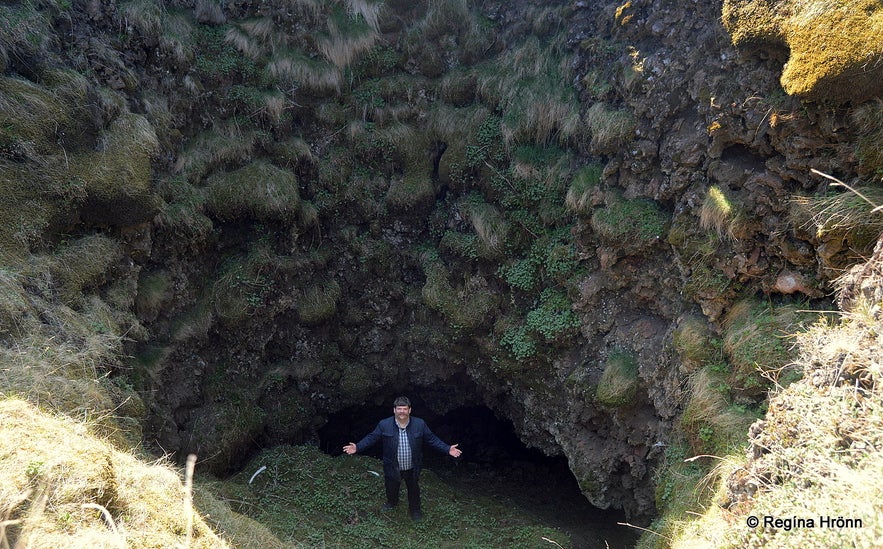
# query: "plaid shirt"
x,y
404,453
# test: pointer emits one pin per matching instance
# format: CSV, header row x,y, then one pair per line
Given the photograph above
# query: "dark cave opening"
x,y
495,464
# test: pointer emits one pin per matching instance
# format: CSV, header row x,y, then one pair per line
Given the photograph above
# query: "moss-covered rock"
x,y
631,224
118,177
259,190
836,48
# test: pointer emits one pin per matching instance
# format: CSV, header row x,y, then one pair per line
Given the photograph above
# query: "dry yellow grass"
x,y
719,213
63,487
817,455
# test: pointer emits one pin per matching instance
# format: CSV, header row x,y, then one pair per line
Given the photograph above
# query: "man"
x,y
403,437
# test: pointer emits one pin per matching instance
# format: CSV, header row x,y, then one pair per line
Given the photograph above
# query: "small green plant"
x,y
34,469
554,318
521,274
519,342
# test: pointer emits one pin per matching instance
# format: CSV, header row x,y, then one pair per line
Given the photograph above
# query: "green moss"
x,y
695,343
618,385
835,48
259,190
227,143
752,22
39,156
639,222
182,211
868,119
412,190
243,283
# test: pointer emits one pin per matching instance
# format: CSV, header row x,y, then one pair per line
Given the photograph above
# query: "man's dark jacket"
x,y
387,430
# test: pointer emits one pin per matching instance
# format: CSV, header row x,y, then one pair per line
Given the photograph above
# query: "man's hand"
x,y
454,451
351,448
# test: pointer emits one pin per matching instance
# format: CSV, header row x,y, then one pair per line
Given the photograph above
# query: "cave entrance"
x,y
495,464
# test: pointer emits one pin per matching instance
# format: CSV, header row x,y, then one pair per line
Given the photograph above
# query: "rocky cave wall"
x,y
378,212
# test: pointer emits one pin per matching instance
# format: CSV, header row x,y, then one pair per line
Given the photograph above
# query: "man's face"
x,y
402,413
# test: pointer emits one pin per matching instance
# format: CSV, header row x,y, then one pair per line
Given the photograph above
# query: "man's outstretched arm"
x,y
439,444
365,443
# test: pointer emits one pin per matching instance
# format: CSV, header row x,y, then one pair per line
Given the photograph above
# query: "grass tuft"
x,y
610,128
64,487
260,190
618,386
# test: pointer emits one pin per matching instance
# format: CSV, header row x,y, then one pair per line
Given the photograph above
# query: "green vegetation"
x,y
153,293
618,385
639,222
722,214
845,216
83,264
694,342
182,212
835,47
586,182
868,119
313,499
242,284
813,455
755,345
258,189
609,127
466,307
446,162
319,302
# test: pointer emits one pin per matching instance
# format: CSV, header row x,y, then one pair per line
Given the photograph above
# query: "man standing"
x,y
403,438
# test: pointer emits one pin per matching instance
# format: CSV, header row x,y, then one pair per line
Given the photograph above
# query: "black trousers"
x,y
393,485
